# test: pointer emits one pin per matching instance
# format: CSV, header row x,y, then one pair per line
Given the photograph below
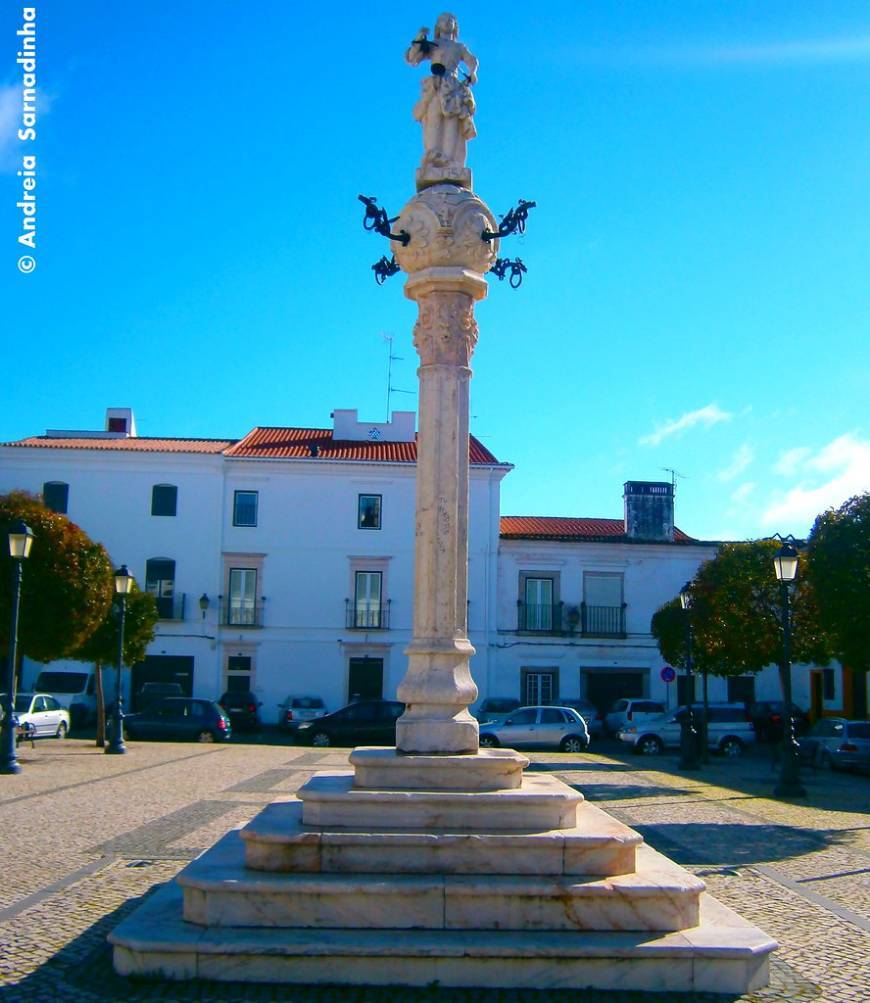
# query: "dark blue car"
x,y
174,718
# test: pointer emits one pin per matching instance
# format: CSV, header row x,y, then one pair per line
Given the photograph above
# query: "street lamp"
x,y
204,603
123,587
20,541
688,732
785,564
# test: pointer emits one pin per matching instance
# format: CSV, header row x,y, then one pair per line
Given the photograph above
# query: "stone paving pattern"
x,y
85,836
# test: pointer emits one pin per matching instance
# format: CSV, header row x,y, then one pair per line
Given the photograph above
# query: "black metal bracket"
x,y
384,268
516,267
376,220
512,222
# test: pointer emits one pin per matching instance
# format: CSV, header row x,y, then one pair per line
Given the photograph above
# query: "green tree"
x,y
736,615
839,568
67,582
101,647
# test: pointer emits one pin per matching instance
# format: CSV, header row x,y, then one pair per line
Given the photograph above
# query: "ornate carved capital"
x,y
446,331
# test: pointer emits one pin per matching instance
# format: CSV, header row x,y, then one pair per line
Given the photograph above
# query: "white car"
x,y
538,728
729,730
47,716
631,711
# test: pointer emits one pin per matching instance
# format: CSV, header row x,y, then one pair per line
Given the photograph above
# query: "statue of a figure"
x,y
446,107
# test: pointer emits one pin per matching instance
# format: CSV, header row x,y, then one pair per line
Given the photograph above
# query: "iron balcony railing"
x,y
170,607
602,621
539,619
236,613
366,616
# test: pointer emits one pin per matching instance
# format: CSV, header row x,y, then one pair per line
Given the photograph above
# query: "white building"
x,y
283,563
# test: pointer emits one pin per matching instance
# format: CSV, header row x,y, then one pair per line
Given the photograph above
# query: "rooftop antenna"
x,y
388,338
674,475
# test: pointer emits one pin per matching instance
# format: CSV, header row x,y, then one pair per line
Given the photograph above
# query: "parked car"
x,y
495,708
180,718
538,728
243,709
294,710
767,717
364,722
589,712
40,714
150,692
729,730
631,711
835,743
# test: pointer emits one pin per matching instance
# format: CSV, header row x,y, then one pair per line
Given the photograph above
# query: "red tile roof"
x,y
545,527
136,444
262,442
291,443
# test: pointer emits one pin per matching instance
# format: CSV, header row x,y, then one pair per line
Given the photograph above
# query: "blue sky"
x,y
697,293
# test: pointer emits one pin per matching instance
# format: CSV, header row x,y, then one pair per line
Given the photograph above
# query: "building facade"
x,y
282,563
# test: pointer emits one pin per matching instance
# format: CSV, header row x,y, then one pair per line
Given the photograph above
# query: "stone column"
x,y
445,259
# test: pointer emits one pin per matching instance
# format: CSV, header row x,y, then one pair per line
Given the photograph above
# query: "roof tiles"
x,y
541,527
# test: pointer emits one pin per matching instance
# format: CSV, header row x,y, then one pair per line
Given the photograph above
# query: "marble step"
x,y
220,891
386,768
276,840
542,803
722,954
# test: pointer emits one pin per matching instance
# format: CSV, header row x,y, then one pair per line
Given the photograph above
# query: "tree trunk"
x,y
101,706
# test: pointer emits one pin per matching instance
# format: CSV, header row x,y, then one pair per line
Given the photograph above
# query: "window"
x,y
686,689
245,508
603,609
552,716
536,607
55,496
741,689
160,582
164,499
369,512
242,607
238,674
828,684
540,686
523,717
367,599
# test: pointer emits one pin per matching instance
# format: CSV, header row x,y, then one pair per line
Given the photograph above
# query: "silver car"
x,y
729,730
297,709
559,728
834,743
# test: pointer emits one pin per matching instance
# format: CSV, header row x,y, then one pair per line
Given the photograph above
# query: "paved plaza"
x,y
85,836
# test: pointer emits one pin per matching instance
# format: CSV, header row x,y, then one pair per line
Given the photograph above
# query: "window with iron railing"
x,y
542,618
603,621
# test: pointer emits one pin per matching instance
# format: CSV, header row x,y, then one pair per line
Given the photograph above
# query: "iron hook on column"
x,y
516,267
384,268
376,220
514,221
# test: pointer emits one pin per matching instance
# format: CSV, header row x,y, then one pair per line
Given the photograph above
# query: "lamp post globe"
x,y
20,542
688,731
785,565
123,587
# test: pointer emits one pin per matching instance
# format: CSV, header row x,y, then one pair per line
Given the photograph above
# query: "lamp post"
x,y
688,732
123,587
204,603
20,540
785,563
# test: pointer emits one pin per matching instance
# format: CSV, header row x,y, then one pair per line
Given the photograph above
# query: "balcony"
x,y
170,607
238,613
536,619
602,621
368,616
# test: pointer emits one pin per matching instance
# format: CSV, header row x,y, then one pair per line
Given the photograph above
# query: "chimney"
x,y
120,420
649,511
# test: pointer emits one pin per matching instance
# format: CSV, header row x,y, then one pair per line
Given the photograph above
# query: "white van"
x,y
74,689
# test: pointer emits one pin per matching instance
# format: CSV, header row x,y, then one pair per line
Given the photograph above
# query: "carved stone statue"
x,y
446,106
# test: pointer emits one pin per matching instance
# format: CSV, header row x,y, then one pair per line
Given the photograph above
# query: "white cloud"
x,y
10,118
847,458
741,493
705,416
790,461
744,455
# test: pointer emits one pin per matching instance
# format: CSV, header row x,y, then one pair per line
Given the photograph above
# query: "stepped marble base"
x,y
722,954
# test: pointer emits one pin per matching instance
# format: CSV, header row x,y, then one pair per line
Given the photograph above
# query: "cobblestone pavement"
x,y
85,836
